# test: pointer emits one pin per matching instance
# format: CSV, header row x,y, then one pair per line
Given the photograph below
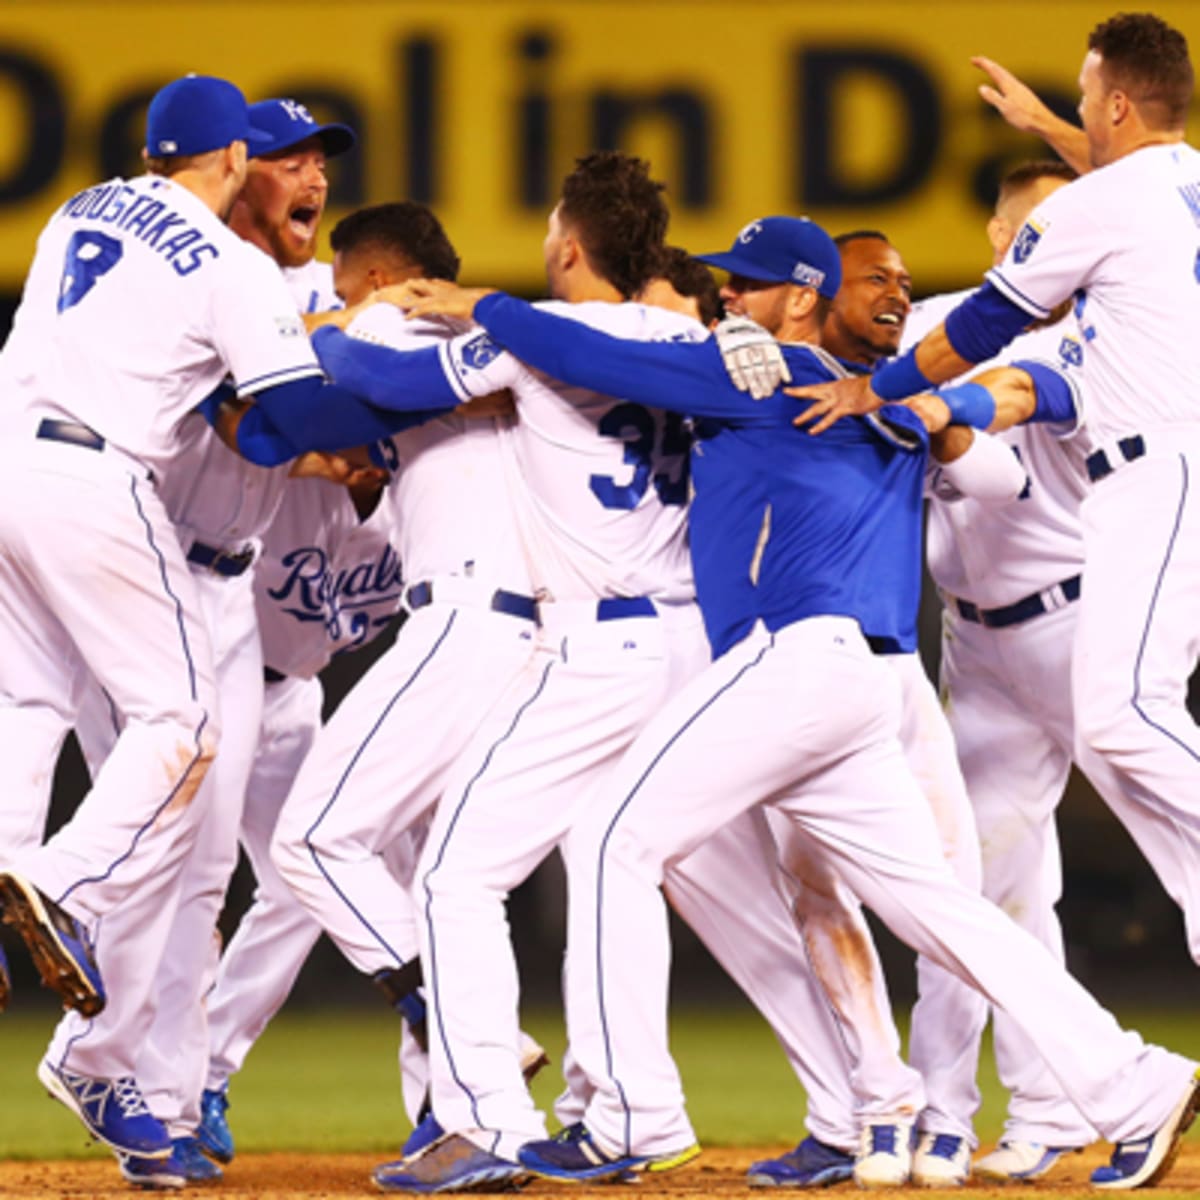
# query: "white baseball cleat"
x,y
884,1156
1015,1161
941,1160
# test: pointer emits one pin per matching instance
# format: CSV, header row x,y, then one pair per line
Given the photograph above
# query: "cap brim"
x,y
335,139
747,268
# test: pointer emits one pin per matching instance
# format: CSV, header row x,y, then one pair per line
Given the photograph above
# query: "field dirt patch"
x,y
718,1172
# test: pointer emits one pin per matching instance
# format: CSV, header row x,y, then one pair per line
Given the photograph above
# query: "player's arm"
x,y
978,329
1021,107
1024,391
969,462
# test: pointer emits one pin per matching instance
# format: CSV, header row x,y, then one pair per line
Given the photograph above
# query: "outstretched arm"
x,y
1020,106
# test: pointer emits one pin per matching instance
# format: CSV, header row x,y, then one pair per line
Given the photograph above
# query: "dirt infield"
x,y
718,1172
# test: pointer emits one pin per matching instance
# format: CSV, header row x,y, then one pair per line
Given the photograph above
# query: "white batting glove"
x,y
752,357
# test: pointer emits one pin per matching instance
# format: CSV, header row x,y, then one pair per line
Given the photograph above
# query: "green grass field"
x,y
326,1082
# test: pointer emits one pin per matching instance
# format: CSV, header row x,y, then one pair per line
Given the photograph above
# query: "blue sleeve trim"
x,y
1057,399
984,323
400,380
1014,293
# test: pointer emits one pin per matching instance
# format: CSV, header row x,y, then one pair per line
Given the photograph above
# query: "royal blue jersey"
x,y
784,525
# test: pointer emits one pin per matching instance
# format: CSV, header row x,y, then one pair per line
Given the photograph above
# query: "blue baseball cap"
x,y
284,123
196,114
783,250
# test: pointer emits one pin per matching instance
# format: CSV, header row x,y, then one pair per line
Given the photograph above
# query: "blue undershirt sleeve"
x,y
308,414
984,323
1056,399
685,377
402,380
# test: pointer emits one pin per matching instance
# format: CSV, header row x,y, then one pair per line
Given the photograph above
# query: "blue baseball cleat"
x,y
573,1154
449,1164
1145,1161
196,1165
812,1164
213,1134
59,944
113,1110
152,1174
428,1130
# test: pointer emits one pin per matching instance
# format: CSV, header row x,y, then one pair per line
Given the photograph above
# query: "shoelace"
x,y
570,1133
129,1097
945,1145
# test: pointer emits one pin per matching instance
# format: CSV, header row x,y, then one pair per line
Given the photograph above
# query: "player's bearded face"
x,y
763,302
285,196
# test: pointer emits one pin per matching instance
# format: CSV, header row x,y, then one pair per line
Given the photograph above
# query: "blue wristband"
x,y
969,404
901,377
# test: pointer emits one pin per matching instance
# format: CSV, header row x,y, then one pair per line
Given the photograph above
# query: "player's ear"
x,y
801,302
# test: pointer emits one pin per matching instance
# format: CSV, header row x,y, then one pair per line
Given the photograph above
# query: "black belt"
x,y
1099,464
72,432
510,603
220,562
270,675
1014,614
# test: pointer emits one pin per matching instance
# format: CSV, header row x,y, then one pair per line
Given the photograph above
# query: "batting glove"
x,y
752,357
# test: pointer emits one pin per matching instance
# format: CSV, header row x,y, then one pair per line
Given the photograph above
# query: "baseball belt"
x,y
510,603
74,433
221,562
1054,597
1100,464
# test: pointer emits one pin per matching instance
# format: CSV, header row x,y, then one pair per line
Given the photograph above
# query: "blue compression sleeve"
x,y
901,377
403,380
685,377
309,414
1057,401
969,404
984,323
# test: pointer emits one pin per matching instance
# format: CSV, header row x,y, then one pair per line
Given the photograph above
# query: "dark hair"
x,y
619,215
1022,175
858,235
1148,60
408,230
690,277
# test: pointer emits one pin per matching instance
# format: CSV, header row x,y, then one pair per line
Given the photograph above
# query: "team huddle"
x,y
660,574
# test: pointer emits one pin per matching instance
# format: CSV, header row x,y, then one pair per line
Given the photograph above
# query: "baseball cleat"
x,y
5,981
113,1110
449,1164
885,1156
573,1154
213,1133
427,1131
152,1174
1015,1161
812,1164
1144,1162
941,1160
197,1167
59,944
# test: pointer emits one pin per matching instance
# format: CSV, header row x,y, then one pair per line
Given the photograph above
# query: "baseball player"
x,y
835,767
161,944
1135,299
139,289
602,523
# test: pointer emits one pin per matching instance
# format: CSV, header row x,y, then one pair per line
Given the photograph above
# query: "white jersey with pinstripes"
x,y
178,301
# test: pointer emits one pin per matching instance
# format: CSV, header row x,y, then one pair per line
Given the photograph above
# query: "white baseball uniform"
x,y
601,510
139,301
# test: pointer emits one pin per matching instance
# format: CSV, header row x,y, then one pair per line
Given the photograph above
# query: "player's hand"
x,y
932,409
433,297
830,402
1018,104
752,357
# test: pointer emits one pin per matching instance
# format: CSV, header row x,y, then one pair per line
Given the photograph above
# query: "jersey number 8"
x,y
89,255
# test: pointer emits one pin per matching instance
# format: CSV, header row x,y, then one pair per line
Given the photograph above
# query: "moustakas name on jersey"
x,y
177,302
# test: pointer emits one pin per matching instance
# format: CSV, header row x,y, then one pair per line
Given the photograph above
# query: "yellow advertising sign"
x,y
860,114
